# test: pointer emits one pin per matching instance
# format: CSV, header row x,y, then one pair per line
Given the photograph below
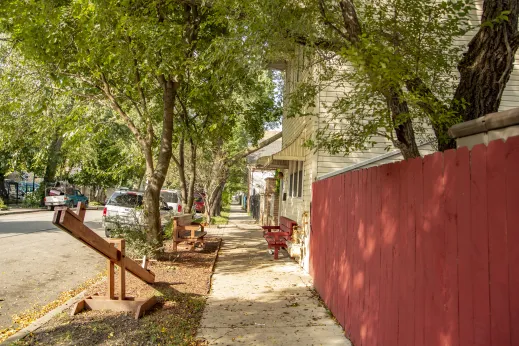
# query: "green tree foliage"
x,y
370,53
132,56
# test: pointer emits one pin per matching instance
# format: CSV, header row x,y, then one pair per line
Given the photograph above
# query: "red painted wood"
x,y
350,246
354,294
375,288
450,335
465,278
479,232
343,289
341,253
498,252
512,219
404,259
423,249
386,256
362,278
394,249
434,243
337,243
419,317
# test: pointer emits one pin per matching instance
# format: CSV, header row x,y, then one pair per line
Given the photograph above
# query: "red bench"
x,y
277,236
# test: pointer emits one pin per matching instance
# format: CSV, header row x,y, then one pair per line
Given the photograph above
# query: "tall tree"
x,y
130,56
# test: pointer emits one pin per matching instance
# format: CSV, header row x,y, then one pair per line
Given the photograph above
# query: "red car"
x,y
199,202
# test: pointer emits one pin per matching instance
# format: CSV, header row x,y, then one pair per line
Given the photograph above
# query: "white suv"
x,y
125,208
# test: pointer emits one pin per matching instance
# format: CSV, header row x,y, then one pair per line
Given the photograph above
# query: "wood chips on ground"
x,y
181,285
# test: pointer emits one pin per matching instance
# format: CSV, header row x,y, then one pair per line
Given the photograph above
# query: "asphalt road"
x,y
39,261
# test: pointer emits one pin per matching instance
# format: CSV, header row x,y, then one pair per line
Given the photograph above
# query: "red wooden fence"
x,y
422,252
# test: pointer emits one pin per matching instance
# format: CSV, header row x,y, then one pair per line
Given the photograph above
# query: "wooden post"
x,y
122,267
111,278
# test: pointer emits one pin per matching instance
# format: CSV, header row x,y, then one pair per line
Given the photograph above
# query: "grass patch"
x,y
223,219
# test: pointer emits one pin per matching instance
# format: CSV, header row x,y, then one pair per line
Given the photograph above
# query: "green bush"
x,y
32,199
2,205
134,233
95,204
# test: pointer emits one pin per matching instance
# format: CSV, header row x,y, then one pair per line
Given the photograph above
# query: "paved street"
x,y
39,261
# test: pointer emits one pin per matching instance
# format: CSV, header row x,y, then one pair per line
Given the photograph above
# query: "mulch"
x,y
182,284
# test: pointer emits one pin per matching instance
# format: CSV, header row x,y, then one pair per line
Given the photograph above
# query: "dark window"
x,y
127,200
300,183
291,190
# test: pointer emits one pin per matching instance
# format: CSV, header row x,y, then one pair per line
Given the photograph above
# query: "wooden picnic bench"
x,y
277,236
185,230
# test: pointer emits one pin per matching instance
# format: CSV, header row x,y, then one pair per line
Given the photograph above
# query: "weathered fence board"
x,y
422,252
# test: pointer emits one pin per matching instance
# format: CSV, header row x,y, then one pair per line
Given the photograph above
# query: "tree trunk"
x,y
217,210
211,201
3,192
405,138
486,66
54,157
182,173
192,178
157,174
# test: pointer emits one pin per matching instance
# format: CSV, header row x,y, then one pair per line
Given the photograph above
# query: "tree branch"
x,y
115,105
253,149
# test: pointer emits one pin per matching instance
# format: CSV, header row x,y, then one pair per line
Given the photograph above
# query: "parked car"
x,y
69,198
199,202
125,208
172,199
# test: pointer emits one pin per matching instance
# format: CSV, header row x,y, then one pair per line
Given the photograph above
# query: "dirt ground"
x,y
181,287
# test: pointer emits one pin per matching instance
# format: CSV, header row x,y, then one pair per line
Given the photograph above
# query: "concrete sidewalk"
x,y
258,301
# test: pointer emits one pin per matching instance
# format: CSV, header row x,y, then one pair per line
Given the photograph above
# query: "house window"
x,y
296,179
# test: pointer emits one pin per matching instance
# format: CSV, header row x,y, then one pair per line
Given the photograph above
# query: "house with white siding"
x,y
302,166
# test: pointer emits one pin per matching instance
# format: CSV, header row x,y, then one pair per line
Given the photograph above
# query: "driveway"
x,y
39,261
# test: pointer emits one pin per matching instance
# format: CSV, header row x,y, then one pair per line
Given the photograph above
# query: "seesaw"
x,y
113,249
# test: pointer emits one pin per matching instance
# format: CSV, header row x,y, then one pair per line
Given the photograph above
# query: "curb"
x,y
42,320
21,212
14,212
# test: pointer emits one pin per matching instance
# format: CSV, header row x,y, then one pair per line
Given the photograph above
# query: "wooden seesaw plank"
x,y
70,222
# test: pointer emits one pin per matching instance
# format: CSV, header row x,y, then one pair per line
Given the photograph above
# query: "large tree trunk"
x,y
486,66
157,175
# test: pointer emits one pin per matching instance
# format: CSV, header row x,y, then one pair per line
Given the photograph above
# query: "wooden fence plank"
x,y
465,279
450,328
405,261
512,219
498,252
342,255
419,322
355,306
363,255
479,259
374,267
430,208
394,249
350,246
386,256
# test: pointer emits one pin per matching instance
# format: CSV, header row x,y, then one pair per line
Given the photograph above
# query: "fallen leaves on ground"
x,y
181,287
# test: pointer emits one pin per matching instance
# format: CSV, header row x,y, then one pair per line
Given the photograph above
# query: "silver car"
x,y
124,208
